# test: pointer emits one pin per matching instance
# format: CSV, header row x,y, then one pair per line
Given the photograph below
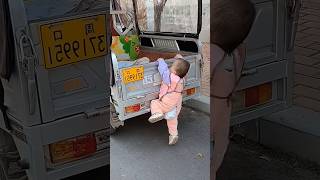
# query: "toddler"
x,y
168,105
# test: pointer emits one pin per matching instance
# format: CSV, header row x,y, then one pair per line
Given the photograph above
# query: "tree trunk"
x,y
157,20
142,14
158,9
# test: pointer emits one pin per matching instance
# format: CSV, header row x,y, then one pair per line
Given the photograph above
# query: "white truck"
x,y
131,93
54,120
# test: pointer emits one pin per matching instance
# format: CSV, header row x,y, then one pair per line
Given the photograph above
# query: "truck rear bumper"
x,y
32,141
99,160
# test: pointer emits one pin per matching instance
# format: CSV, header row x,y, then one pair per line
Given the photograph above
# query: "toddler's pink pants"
x,y
166,104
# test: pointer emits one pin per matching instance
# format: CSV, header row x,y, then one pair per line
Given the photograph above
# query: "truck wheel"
x,y
115,122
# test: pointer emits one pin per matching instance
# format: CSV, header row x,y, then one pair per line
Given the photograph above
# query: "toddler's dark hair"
x,y
182,67
231,22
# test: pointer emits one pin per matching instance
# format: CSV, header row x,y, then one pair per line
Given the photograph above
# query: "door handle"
x,y
249,72
96,112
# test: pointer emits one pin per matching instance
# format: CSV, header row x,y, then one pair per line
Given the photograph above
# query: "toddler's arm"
x,y
164,71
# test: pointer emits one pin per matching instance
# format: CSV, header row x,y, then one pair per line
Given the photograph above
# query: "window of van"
x,y
178,16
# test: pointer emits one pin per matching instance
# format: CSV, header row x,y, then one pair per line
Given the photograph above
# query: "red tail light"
x,y
73,148
191,91
258,94
265,93
251,96
133,108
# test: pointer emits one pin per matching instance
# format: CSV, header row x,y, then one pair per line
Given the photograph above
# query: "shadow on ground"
x,y
140,151
102,173
247,160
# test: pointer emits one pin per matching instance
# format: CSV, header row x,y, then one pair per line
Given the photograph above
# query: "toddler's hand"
x,y
178,56
160,59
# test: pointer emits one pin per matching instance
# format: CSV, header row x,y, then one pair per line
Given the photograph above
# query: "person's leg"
x,y
221,122
173,131
157,111
156,107
160,107
173,125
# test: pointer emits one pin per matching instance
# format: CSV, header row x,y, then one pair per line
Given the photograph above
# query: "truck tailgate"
x,y
145,88
152,80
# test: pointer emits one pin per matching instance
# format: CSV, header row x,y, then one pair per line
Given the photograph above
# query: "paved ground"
x,y
139,151
97,174
205,71
249,161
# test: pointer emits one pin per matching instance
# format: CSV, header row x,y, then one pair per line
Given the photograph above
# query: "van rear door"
x,y
70,44
266,82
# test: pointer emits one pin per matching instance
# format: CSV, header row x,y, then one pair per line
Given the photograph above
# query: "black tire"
x,y
113,118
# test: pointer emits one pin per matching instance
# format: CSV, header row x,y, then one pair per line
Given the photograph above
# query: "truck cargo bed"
x,y
139,93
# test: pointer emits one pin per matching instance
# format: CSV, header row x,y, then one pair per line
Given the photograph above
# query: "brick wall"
x,y
205,38
205,81
307,57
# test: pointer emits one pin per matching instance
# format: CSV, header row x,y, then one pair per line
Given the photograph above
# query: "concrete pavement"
x,y
139,150
102,173
246,160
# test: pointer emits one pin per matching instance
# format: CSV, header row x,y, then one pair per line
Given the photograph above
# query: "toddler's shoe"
x,y
173,139
156,117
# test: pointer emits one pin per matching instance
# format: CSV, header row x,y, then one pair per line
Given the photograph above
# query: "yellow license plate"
x,y
132,74
72,41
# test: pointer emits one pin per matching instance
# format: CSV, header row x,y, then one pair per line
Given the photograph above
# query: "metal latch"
x,y
28,65
96,112
249,72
